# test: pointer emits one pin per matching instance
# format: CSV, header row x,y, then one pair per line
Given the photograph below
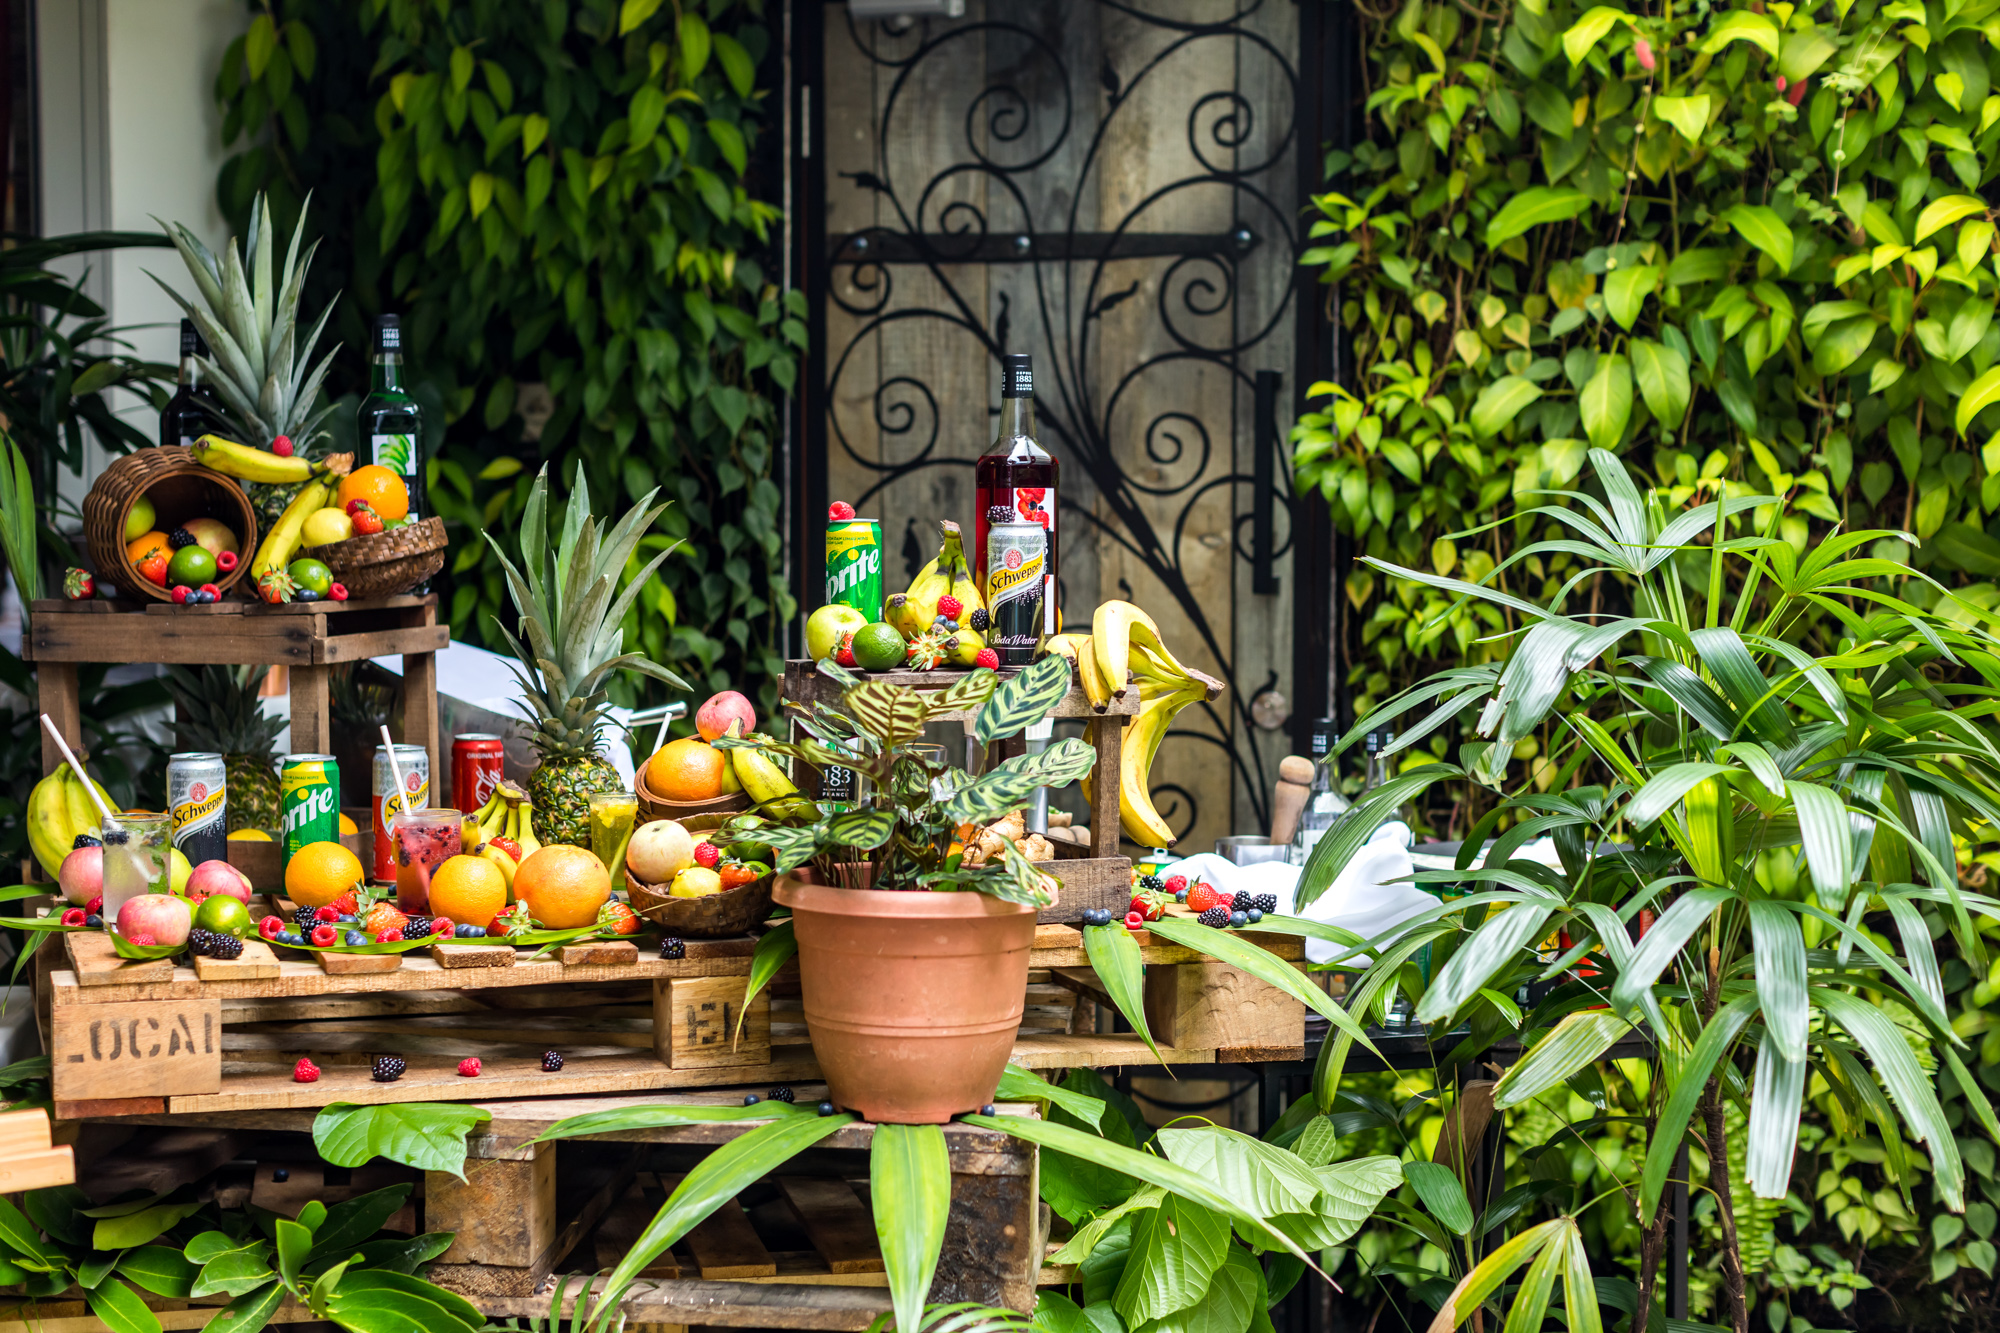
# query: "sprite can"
x,y
311,787
854,565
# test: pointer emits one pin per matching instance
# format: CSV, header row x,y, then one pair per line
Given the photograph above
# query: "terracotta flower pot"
x,y
912,999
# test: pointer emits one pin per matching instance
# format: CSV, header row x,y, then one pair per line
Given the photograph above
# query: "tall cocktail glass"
x,y
135,860
425,839
612,816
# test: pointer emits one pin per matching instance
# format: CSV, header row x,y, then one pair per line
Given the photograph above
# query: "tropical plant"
x,y
1743,248
1756,882
566,198
913,826
568,642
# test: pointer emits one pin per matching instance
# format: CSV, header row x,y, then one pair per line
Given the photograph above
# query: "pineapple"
x,y
249,317
216,708
568,640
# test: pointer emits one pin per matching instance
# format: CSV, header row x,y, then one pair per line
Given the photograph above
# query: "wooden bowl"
x,y
384,564
654,806
717,916
181,489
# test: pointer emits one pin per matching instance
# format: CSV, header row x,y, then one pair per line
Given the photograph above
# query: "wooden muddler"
x,y
1295,775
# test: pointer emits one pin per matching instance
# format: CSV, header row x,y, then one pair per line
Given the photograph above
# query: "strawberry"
x,y
469,1067
988,659
227,561
324,936
344,905
706,854
78,585
509,846
73,917
276,586
282,446
1200,898
950,607
384,917
152,565
618,918
839,512
366,521
269,927
843,652
1143,907
305,1071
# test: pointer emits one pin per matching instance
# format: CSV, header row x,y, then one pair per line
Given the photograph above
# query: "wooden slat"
x,y
256,963
38,1170
95,962
606,953
455,956
23,1132
780,1305
623,1224
836,1222
724,1244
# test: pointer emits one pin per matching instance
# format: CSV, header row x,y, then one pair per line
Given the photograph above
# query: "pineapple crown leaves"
x,y
218,706
571,615
250,322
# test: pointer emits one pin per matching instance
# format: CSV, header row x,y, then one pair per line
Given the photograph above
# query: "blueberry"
x,y
472,932
280,1175
750,1099
1254,915
826,1108
94,921
1239,918
348,920
988,1109
356,937
1180,896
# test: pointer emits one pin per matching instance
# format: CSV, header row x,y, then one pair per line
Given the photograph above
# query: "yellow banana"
x,y
1094,687
47,818
245,463
1067,645
1111,637
501,861
966,643
1146,635
493,816
275,551
1136,815
525,832
83,815
912,611
774,793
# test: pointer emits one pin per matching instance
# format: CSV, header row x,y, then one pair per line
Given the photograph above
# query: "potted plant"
x,y
915,979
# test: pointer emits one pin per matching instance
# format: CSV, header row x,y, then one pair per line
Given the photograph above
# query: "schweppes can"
x,y
198,798
311,788
854,565
1017,593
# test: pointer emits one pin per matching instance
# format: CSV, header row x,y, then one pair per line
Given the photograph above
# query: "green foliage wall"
x,y
1742,246
556,192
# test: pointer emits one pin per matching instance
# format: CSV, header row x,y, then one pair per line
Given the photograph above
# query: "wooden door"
x,y
1112,186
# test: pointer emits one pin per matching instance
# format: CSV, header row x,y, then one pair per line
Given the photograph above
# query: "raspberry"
x,y
1201,897
143,941
75,916
226,562
326,913
95,906
179,594
987,658
270,926
211,593
706,854
1174,883
282,446
469,1067
839,512
389,1068
305,1071
551,1061
226,947
443,928
1135,921
337,591
950,607
1214,916
324,936
393,935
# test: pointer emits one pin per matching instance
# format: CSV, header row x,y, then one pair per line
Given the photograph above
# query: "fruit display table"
x,y
306,637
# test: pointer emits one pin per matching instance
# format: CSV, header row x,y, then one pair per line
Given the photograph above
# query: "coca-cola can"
x,y
477,759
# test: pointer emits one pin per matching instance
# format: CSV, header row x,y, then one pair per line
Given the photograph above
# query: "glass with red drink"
x,y
425,840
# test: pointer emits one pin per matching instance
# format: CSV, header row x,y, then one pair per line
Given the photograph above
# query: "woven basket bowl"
x,y
384,564
715,917
181,489
653,806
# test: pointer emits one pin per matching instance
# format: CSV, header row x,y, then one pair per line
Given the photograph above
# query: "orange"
x,y
687,770
469,889
382,489
563,886
145,543
319,872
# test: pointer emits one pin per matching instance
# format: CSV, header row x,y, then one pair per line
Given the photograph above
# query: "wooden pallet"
x,y
307,637
147,1038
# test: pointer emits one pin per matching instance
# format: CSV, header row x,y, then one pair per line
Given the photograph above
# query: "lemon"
x,y
879,647
346,826
326,526
695,882
249,835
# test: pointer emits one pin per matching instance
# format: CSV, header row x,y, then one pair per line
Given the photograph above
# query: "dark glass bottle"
x,y
390,422
1016,473
193,410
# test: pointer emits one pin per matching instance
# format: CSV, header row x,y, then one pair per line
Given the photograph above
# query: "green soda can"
x,y
854,565
311,788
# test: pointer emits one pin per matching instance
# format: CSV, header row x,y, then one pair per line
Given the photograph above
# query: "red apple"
x,y
164,917
212,877
716,715
213,536
81,875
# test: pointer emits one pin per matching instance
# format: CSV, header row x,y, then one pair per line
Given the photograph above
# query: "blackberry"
x,y
1214,916
784,1095
1239,918
225,947
998,514
1151,883
180,538
84,840
200,942
551,1061
1266,902
306,918
980,618
418,927
672,947
1242,902
389,1068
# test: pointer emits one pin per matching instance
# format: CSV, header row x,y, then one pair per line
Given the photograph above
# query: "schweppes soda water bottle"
x,y
198,799
1017,592
854,565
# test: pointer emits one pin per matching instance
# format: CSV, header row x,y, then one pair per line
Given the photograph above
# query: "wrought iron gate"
x,y
1114,187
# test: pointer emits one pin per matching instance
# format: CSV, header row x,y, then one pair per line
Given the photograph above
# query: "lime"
x,y
191,567
826,625
312,574
879,647
224,915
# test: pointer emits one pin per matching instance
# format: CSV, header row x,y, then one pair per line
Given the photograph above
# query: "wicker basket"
x,y
180,489
717,916
384,564
654,806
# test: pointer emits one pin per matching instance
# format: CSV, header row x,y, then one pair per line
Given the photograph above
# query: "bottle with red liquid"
x,y
1016,474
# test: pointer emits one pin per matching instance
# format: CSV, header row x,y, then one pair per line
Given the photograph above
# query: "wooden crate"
x,y
147,1038
307,637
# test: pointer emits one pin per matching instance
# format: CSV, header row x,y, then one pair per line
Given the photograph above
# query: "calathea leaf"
x,y
864,829
889,713
967,692
793,846
1022,699
993,794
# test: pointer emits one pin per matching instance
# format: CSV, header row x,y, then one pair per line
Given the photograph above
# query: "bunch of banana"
x,y
260,465
914,611
282,542
59,811
1124,646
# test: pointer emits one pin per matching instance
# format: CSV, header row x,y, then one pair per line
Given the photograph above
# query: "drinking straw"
x,y
395,769
110,820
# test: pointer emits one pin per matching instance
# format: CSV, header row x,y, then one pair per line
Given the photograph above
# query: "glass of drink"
x,y
425,840
135,860
612,816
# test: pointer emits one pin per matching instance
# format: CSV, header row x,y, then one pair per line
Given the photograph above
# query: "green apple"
x,y
140,521
826,625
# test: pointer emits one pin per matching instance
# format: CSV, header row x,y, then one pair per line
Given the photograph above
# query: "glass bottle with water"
x,y
1324,804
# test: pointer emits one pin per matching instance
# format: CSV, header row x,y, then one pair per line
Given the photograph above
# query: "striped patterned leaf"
x,y
968,691
1023,699
864,829
889,713
995,793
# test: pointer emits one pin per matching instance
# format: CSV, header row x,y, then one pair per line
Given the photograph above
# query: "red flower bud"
x,y
1644,50
1797,93
1781,83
